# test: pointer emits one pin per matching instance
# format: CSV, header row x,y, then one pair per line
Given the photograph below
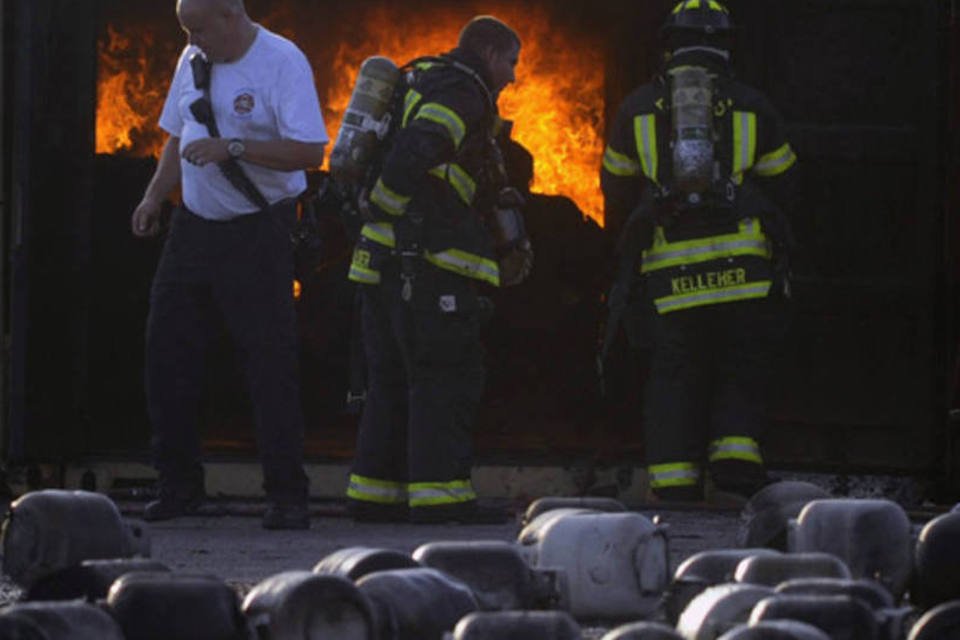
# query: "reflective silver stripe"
x,y
620,165
466,264
744,143
654,261
376,491
428,494
380,232
748,240
749,291
645,132
363,275
445,117
673,475
459,179
388,199
776,162
736,448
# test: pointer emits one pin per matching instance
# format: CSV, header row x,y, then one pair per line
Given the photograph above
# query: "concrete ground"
x,y
232,545
239,550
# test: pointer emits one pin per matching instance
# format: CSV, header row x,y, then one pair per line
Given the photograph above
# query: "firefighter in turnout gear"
x,y
707,159
420,259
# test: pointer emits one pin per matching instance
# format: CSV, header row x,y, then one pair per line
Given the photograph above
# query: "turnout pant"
x,y
239,273
707,394
425,379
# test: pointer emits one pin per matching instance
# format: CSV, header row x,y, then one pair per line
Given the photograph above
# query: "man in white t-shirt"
x,y
228,255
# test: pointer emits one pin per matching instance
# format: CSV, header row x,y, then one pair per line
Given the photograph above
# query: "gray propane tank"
x,y
616,564
50,530
299,605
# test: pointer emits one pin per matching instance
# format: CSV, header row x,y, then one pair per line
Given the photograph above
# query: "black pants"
x,y
710,379
239,273
425,380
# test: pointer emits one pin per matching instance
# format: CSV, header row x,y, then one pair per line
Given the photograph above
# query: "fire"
x,y
556,104
129,97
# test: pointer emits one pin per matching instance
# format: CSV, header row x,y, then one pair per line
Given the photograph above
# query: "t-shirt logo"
x,y
243,104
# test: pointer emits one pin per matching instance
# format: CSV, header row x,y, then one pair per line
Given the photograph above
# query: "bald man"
x,y
228,258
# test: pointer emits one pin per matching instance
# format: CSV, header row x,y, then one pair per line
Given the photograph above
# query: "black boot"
x,y
175,500
286,515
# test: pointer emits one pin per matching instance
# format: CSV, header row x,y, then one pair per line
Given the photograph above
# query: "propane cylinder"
x,y
518,625
57,621
837,616
365,121
355,562
90,580
50,530
691,91
299,605
701,571
775,630
872,537
174,605
643,631
771,570
416,604
616,564
719,609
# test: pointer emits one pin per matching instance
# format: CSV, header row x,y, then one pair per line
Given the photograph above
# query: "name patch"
x,y
708,281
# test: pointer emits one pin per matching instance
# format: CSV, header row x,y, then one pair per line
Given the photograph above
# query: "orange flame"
x,y
129,96
556,103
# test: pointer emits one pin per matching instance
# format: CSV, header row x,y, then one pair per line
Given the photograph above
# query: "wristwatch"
x,y
236,147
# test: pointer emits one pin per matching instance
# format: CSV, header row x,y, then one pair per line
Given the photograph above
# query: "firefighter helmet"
x,y
707,17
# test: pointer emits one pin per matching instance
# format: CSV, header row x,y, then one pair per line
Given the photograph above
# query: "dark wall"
x,y
52,181
863,86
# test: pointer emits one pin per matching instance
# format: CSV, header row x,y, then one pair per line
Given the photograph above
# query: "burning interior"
x,y
557,104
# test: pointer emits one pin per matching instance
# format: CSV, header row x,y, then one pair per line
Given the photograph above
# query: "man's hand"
x,y
145,221
516,265
206,150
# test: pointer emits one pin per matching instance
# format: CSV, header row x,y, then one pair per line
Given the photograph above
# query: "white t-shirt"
x,y
268,94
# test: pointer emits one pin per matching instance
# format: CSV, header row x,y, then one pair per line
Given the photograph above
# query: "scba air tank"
x,y
691,92
366,120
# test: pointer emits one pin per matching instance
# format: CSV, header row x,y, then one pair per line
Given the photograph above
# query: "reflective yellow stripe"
x,y
466,264
425,494
744,143
360,270
645,132
749,291
380,232
695,4
674,474
447,118
379,491
388,199
410,102
748,241
775,162
736,448
459,179
619,164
